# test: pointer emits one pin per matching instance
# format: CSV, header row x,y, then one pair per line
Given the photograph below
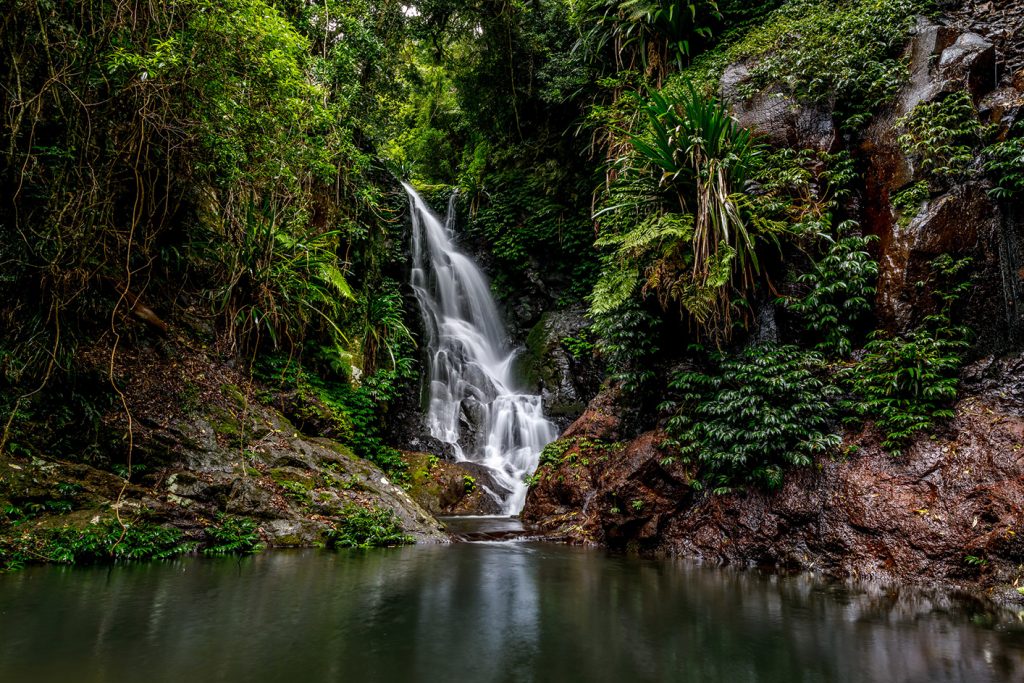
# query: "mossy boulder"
x,y
451,488
559,362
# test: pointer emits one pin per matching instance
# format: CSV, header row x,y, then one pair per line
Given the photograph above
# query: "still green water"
x,y
492,611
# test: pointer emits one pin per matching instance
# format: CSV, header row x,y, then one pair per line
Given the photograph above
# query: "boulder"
x,y
566,378
452,488
777,115
944,60
950,510
964,221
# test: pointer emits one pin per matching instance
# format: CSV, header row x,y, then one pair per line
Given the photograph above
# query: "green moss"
x,y
538,348
225,423
847,52
236,395
422,484
339,448
282,476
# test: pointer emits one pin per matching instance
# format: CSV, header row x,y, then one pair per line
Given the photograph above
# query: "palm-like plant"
x,y
703,159
655,32
383,329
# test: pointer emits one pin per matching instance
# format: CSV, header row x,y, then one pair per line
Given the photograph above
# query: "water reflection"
x,y
481,612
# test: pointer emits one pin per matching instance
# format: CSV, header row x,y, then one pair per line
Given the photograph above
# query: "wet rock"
x,y
252,498
970,60
775,114
998,380
1002,107
295,487
966,63
472,421
950,510
603,418
452,488
944,60
618,494
285,533
566,380
998,21
952,497
963,222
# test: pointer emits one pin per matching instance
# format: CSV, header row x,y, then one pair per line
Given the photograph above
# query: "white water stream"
x,y
476,404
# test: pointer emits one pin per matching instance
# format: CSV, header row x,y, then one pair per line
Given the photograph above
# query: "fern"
x,y
752,416
907,383
842,287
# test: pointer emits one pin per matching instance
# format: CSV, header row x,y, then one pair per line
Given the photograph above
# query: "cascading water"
x,y
476,405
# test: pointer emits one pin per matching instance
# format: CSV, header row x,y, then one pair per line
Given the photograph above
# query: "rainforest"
x,y
445,337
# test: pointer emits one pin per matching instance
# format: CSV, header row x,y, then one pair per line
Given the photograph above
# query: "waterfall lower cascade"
x,y
476,404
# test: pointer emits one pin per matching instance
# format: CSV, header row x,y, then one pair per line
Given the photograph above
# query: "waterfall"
x,y
476,404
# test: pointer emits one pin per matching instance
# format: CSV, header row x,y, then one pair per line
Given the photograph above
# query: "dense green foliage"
x,y
105,541
1005,162
648,34
223,172
753,415
328,406
178,163
841,289
701,159
943,136
361,527
213,140
233,535
493,98
907,383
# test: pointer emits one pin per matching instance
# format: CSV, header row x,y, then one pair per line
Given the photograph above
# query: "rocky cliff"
x,y
951,507
205,440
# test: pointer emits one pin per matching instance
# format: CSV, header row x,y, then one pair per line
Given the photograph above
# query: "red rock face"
x,y
918,517
964,221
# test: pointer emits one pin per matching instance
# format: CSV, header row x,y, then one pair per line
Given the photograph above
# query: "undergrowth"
x,y
907,383
749,416
232,535
361,527
105,541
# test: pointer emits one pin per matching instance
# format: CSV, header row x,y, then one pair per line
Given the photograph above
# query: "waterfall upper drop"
x,y
476,404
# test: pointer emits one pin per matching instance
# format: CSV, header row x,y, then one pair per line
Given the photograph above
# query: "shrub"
x,y
627,339
907,383
691,243
106,541
752,415
653,33
907,202
233,535
943,136
842,286
1005,161
366,528
844,52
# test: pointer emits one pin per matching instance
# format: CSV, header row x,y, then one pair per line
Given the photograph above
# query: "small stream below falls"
x,y
483,612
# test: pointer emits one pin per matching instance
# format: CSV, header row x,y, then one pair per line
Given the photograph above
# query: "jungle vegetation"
x,y
227,170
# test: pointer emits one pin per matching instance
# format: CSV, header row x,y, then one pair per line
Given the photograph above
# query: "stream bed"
x,y
491,610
